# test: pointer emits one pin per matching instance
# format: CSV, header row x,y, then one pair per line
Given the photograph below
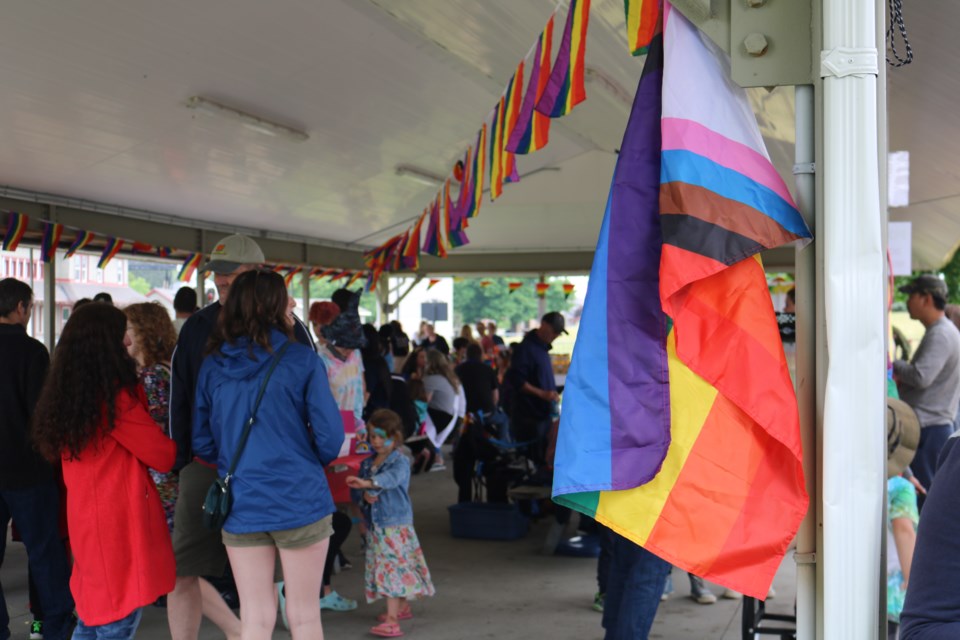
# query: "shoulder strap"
x,y
253,414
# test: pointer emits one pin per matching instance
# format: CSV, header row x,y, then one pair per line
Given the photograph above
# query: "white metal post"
x,y
853,418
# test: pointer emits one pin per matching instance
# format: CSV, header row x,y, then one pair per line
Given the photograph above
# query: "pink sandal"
x,y
405,614
387,630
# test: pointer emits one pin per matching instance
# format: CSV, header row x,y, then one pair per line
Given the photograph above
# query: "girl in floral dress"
x,y
152,339
395,566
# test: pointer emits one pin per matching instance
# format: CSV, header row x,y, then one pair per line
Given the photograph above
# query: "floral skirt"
x,y
395,566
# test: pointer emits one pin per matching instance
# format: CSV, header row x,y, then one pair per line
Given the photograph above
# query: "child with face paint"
x,y
395,567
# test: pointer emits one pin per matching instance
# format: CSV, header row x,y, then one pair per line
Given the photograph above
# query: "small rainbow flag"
x,y
191,264
641,23
341,274
287,279
142,247
432,282
513,286
477,173
456,236
110,250
164,252
567,290
52,232
496,151
434,244
532,130
83,239
565,88
16,227
485,283
411,250
321,273
511,112
542,288
356,276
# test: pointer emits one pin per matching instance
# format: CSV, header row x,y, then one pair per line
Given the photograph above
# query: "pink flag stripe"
x,y
686,135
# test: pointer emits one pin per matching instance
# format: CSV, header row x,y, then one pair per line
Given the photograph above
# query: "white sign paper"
x,y
899,239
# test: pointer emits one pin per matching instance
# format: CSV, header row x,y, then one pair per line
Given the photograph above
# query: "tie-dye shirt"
x,y
901,503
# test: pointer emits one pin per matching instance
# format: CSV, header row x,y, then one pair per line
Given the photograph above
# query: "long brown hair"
x,y
439,364
257,304
90,367
155,332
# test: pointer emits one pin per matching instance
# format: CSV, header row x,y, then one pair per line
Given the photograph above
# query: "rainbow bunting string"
x,y
354,278
509,122
110,249
565,89
16,227
52,232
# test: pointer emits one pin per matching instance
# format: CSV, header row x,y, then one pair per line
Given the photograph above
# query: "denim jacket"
x,y
393,479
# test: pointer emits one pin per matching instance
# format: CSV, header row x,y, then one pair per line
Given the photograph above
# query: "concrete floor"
x,y
485,590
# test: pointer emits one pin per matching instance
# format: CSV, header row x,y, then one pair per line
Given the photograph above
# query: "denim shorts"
x,y
284,539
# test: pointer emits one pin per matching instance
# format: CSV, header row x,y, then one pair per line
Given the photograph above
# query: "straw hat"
x,y
903,436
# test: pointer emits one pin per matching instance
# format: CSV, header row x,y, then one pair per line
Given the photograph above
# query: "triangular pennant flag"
x,y
542,288
82,240
52,232
565,89
16,227
532,129
485,283
111,249
432,282
567,290
513,286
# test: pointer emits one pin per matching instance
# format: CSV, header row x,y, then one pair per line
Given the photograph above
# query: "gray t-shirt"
x,y
930,382
445,397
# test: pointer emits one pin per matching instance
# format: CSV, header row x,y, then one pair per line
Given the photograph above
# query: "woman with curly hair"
x,y
152,339
281,500
92,415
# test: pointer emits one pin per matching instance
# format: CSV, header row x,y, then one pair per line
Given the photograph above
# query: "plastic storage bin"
x,y
487,521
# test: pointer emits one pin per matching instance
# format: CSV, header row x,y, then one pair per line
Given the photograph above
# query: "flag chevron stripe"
x,y
709,240
704,204
681,134
691,168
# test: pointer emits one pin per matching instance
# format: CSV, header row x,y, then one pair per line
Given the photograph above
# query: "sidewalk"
x,y
485,590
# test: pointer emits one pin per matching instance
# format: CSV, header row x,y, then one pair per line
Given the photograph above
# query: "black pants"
x,y
534,430
341,529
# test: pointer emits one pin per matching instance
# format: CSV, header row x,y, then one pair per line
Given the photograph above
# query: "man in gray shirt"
x,y
930,382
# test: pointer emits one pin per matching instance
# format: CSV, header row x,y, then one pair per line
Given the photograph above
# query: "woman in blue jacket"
x,y
281,500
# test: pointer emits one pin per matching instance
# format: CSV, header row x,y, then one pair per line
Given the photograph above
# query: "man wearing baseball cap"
x,y
930,382
532,385
199,551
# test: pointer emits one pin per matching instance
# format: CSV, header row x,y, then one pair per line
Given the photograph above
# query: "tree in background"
x,y
472,302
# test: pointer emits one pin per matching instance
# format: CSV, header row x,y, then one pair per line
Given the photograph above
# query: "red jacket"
x,y
122,554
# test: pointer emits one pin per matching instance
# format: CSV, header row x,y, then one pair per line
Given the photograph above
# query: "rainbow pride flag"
x,y
542,288
164,252
355,277
319,273
411,250
52,233
189,266
341,274
455,220
496,151
532,130
565,88
479,167
435,243
110,250
513,286
641,18
83,239
679,427
568,290
511,112
16,227
292,271
431,282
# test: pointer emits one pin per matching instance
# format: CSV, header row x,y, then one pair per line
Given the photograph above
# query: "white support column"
x,y
806,379
853,268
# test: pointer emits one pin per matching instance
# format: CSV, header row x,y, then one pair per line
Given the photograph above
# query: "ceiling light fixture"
x,y
248,120
419,175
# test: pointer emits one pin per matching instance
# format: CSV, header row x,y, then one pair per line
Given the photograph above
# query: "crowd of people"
x,y
110,448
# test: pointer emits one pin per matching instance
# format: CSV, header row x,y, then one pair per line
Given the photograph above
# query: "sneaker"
x,y
730,594
699,591
335,602
667,587
598,602
438,466
36,630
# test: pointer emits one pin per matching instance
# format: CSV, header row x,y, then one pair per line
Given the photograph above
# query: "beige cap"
x,y
232,252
